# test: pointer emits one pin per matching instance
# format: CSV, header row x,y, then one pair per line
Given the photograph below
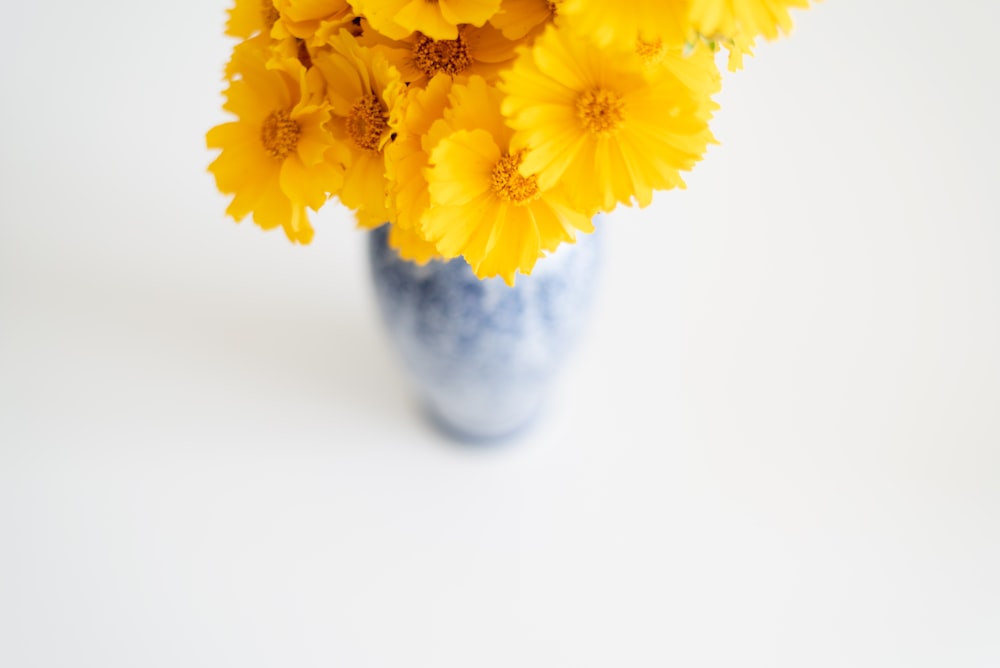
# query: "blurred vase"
x,y
482,355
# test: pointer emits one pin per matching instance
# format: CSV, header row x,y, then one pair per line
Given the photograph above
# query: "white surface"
x,y
778,445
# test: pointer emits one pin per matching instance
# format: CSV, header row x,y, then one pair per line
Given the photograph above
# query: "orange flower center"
x,y
600,110
650,51
279,134
509,185
450,56
366,123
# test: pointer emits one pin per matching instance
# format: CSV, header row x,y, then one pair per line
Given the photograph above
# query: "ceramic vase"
x,y
482,356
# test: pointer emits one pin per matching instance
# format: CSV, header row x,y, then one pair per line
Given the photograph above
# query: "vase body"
x,y
483,355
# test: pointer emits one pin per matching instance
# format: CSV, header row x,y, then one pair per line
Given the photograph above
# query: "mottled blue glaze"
x,y
483,355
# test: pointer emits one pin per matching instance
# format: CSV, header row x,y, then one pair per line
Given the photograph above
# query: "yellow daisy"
x,y
743,19
302,18
405,161
290,47
361,88
621,22
438,19
481,206
412,245
694,67
519,18
475,51
603,121
274,157
252,21
251,17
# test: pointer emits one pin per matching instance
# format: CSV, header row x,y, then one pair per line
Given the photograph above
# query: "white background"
x,y
777,445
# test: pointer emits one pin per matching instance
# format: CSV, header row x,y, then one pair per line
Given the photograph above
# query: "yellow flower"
x,y
481,206
438,19
273,158
518,18
406,159
475,51
412,246
287,47
742,19
694,67
302,18
603,121
362,88
252,21
251,17
621,22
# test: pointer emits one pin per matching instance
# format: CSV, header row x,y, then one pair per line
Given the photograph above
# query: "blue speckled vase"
x,y
483,355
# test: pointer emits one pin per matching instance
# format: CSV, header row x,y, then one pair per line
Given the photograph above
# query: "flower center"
x,y
450,56
651,52
509,185
279,134
269,13
366,123
600,110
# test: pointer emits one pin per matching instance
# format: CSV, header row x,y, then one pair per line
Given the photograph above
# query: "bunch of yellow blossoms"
x,y
493,130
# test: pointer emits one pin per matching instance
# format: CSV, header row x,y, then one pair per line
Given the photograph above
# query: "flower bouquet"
x,y
483,133
492,130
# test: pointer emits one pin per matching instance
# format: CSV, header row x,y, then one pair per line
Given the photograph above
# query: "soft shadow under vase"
x,y
483,355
